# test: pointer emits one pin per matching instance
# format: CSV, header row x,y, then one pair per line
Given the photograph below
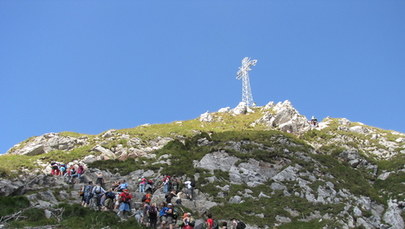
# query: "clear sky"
x,y
89,66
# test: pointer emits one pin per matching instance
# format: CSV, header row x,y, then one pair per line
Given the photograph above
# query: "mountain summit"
x,y
269,166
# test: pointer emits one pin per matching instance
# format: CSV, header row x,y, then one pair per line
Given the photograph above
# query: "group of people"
x,y
118,198
69,172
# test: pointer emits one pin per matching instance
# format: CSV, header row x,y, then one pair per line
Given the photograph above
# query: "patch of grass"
x,y
63,156
313,224
12,204
347,177
393,164
74,134
33,217
270,207
9,163
75,216
394,184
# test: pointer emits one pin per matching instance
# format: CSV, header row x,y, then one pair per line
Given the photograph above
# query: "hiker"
x,y
100,179
166,184
189,189
139,215
124,198
168,217
176,184
87,194
115,185
80,172
223,225
152,214
237,224
149,186
109,199
98,192
72,174
210,222
170,196
147,198
188,221
142,184
55,168
123,185
62,169
314,121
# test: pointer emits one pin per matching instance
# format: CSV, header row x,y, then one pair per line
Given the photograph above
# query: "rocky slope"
x,y
267,165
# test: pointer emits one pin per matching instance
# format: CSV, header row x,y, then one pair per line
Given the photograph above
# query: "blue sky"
x,y
89,66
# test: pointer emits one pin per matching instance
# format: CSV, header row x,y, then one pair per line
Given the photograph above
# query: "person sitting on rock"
x,y
72,174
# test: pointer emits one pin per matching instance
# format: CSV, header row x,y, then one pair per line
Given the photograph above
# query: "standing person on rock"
x,y
80,172
142,184
152,214
125,199
87,194
190,184
100,179
99,192
166,184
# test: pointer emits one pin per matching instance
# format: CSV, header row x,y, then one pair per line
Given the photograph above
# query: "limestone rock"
x,y
217,160
46,143
224,110
106,153
393,215
242,108
206,117
285,117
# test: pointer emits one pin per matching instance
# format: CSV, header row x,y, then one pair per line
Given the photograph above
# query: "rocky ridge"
x,y
309,171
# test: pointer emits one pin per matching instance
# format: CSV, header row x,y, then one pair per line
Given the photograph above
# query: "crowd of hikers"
x,y
118,198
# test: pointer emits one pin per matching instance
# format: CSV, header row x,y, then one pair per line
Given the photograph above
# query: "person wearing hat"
x,y
188,221
170,216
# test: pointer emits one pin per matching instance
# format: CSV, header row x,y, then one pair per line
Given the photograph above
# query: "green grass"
x,y
313,224
10,163
347,177
12,204
75,216
270,208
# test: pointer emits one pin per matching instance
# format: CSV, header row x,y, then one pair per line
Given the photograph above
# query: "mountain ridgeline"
x,y
267,166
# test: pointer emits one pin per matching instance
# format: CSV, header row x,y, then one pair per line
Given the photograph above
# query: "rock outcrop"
x,y
46,143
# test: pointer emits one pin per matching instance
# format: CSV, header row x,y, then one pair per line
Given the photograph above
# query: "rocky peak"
x,y
284,117
46,143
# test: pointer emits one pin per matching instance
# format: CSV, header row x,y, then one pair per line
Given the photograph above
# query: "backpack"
x,y
88,189
110,195
97,189
241,225
192,184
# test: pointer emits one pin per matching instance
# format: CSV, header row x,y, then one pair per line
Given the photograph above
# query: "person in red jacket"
x,y
125,199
